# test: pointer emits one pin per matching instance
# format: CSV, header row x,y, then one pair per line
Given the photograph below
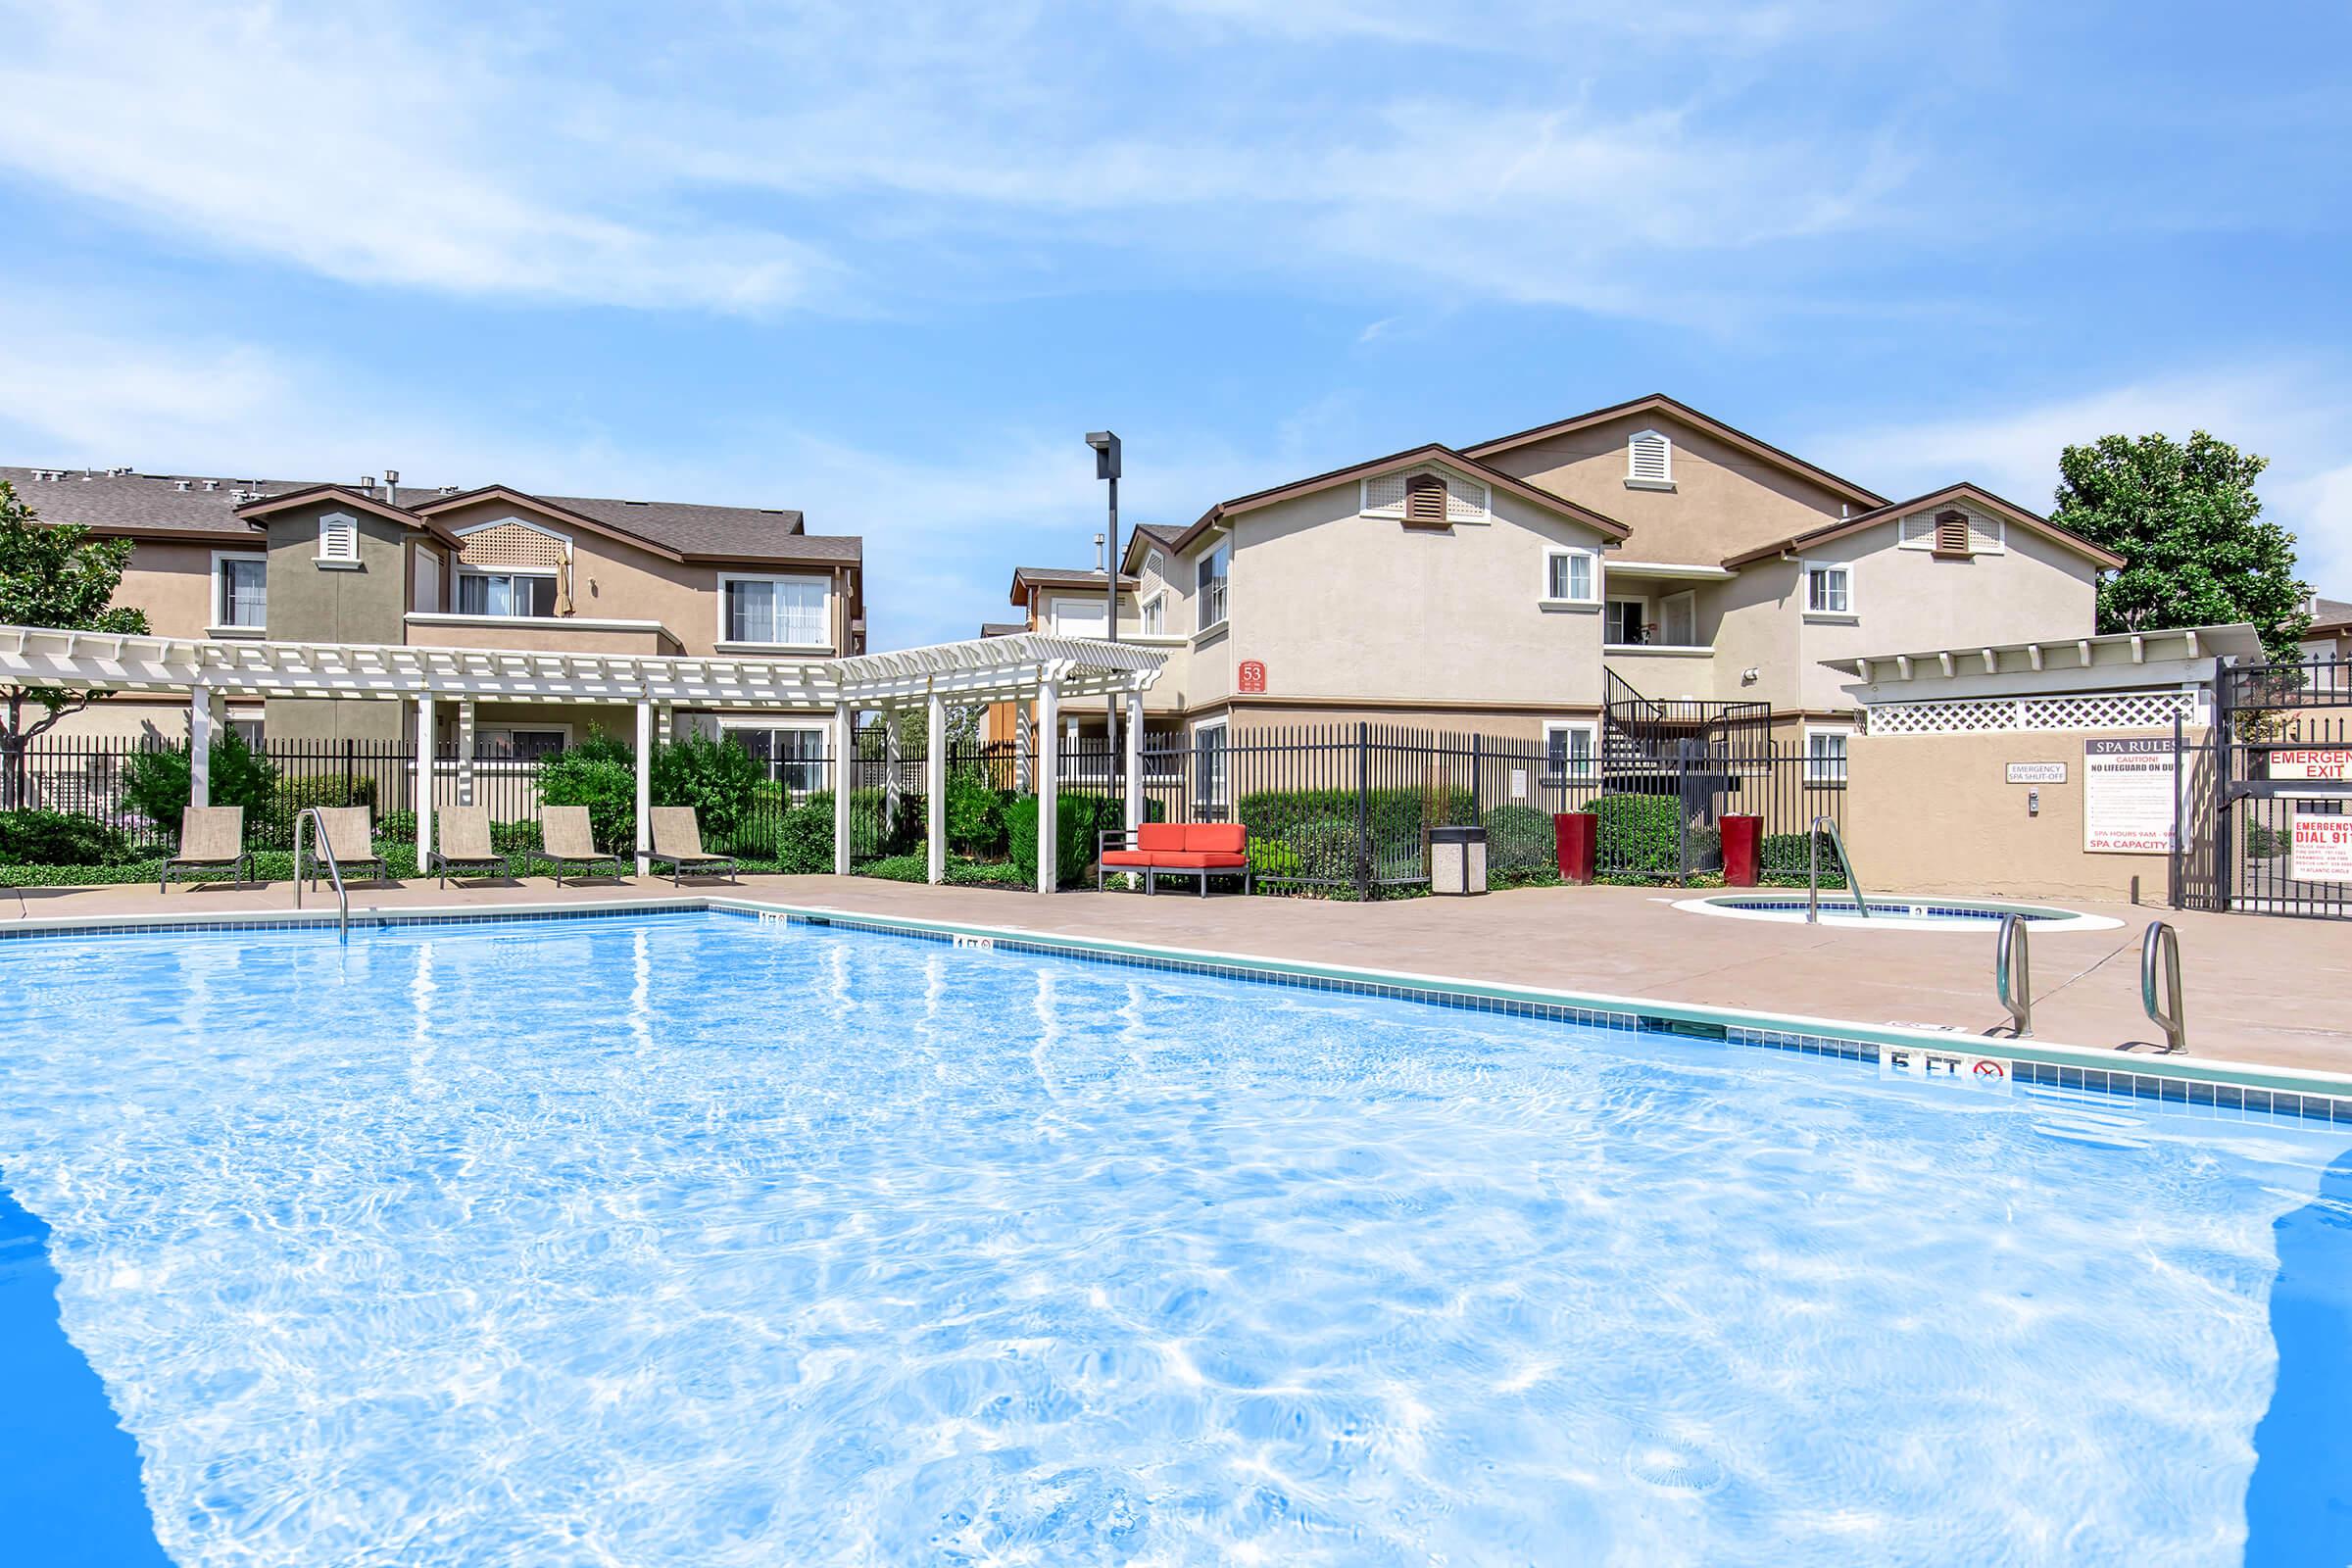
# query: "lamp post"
x,y
1107,467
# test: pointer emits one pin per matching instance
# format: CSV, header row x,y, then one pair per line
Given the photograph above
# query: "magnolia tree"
x,y
2197,549
51,574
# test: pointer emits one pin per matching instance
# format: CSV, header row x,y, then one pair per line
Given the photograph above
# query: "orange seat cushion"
x,y
1201,860
1127,857
1159,836
1214,838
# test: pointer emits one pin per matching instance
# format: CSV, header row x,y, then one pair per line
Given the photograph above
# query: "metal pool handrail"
x,y
2013,972
326,853
2170,1017
1853,882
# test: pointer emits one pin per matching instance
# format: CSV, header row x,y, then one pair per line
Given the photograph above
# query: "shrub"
x,y
1077,820
59,838
975,814
590,774
719,779
1520,841
1640,834
1781,861
2265,841
157,785
804,836
961,872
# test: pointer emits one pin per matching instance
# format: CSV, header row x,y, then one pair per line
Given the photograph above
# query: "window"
x,y
1568,576
1154,614
1208,764
505,593
1568,751
1625,624
786,610
1210,576
1829,589
794,757
242,593
339,539
1825,755
505,743
1649,460
1080,617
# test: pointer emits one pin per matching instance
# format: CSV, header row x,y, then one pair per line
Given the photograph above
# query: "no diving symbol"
x,y
1986,1067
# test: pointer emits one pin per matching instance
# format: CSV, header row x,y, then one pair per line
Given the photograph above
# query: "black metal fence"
x,y
2276,762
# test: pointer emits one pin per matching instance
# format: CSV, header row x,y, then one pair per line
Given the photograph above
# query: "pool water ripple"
x,y
713,1242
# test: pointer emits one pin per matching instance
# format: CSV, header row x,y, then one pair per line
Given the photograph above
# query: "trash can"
x,y
1457,860
1743,838
1574,837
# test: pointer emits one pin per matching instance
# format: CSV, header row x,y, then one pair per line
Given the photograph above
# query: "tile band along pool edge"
x,y
2187,1083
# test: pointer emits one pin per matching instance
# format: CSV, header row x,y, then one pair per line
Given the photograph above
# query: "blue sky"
x,y
887,264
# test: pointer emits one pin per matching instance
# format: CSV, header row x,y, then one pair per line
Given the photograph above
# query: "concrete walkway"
x,y
2263,990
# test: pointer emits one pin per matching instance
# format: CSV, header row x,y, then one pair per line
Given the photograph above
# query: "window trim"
x,y
457,584
1054,606
1593,594
1224,729
1591,729
1223,546
727,578
1610,600
218,622
337,563
1845,758
1156,599
1845,617
820,729
1634,479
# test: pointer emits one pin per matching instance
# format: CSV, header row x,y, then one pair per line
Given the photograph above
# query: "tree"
x,y
2186,521
52,574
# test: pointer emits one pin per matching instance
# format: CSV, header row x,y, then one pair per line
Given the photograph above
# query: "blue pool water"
x,y
697,1239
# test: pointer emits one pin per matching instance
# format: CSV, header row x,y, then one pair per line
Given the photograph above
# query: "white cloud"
x,y
2300,420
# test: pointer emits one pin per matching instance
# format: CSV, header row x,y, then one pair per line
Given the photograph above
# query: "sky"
x,y
888,264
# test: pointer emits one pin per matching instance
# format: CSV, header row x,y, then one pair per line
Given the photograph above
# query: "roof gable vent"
x,y
1648,460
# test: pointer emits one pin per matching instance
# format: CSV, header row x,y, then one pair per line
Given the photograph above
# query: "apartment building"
x,y
491,568
1643,566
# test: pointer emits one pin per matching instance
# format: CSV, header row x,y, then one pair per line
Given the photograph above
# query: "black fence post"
x,y
1363,810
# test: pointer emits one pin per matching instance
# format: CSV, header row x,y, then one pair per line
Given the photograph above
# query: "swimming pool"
x,y
706,1239
1895,911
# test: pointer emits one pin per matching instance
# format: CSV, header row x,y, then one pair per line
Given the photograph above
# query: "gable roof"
x,y
1660,403
2007,510
256,512
1434,452
1028,577
153,506
2330,614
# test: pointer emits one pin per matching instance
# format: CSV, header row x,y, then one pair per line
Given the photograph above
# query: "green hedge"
x,y
1520,841
961,872
1639,835
1781,861
59,838
1077,820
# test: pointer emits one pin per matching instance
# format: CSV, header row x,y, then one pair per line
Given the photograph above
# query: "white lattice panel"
x,y
511,544
1466,499
2134,710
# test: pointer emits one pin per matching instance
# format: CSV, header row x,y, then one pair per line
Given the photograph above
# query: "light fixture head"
x,y
1107,452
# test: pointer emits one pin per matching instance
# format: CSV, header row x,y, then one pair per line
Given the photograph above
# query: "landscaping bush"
x,y
601,774
1781,861
719,779
1640,834
976,813
804,836
156,782
1395,817
1519,841
1077,820
507,838
959,871
2265,841
59,838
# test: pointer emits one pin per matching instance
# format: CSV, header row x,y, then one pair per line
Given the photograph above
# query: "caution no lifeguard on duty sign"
x,y
2322,851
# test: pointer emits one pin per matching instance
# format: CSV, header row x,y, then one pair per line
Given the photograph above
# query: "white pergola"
x,y
1025,666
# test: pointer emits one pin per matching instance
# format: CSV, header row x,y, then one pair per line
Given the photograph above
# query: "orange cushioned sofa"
x,y
1200,849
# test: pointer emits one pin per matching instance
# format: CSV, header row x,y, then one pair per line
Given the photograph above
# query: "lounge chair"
x,y
1200,849
566,842
212,840
678,843
466,845
350,835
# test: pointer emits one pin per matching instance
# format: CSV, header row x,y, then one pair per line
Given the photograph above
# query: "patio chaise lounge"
x,y
678,843
212,840
1182,848
566,843
350,838
466,850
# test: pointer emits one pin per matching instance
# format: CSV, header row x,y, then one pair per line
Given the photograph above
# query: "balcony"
x,y
559,634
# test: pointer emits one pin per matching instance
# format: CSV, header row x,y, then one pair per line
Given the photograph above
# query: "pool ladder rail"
x,y
325,854
2013,974
2160,961
1853,882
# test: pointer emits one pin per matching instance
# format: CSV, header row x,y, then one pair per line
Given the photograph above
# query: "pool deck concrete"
x,y
2276,992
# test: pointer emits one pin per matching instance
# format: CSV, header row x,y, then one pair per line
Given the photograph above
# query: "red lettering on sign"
x,y
1253,675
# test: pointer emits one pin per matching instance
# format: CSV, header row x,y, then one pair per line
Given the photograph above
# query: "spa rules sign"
x,y
2128,796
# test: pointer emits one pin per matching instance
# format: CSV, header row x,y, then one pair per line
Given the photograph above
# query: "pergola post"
x,y
1020,747
425,780
200,746
844,771
934,789
464,751
1048,784
1135,759
645,784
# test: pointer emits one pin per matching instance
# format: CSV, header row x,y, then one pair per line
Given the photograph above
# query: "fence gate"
x,y
2280,792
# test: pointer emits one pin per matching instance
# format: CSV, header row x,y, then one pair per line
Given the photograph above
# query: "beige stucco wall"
x,y
1336,604
1723,501
173,582
1934,814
